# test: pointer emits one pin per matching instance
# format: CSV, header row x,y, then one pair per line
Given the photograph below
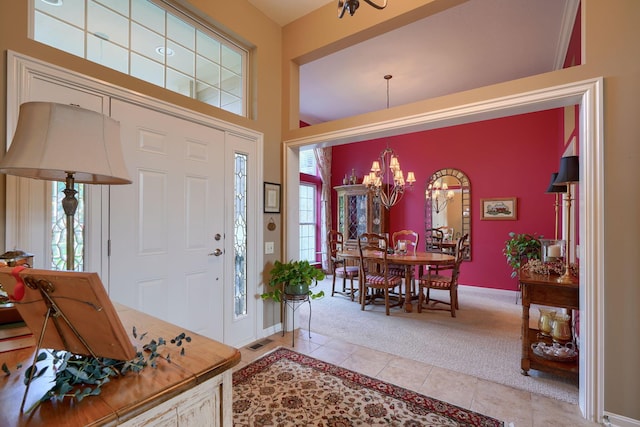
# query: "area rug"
x,y
286,388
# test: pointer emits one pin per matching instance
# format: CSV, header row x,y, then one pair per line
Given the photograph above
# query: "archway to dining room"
x,y
586,94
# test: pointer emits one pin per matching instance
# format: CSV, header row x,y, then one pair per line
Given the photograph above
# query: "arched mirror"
x,y
448,207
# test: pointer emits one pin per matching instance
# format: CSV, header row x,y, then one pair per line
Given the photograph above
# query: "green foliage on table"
x,y
79,376
521,247
293,273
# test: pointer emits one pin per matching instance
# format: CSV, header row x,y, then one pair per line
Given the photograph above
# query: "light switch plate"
x,y
268,247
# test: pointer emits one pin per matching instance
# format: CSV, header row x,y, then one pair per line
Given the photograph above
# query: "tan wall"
x,y
610,42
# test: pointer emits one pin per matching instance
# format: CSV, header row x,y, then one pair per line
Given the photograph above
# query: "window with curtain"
x,y
309,208
308,222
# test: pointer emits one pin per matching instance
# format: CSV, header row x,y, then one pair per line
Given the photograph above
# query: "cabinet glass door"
x,y
357,216
376,215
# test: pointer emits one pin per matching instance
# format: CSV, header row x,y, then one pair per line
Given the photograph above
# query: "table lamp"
x,y
568,174
58,142
556,190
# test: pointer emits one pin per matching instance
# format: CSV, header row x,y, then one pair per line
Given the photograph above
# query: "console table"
x,y
545,290
194,389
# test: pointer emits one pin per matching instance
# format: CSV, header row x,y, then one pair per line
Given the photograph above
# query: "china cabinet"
x,y
545,290
359,211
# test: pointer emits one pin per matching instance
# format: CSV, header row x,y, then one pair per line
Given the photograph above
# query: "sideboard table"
x,y
545,290
194,389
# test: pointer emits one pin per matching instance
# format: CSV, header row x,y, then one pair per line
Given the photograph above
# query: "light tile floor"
x,y
516,407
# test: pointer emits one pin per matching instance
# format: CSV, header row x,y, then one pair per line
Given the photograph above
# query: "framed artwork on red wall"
x,y
500,208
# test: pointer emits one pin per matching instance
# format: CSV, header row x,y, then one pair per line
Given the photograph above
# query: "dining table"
x,y
408,260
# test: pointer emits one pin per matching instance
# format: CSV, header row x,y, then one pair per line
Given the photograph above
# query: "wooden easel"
x,y
85,321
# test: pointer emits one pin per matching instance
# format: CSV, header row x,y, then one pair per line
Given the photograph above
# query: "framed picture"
x,y
271,197
501,208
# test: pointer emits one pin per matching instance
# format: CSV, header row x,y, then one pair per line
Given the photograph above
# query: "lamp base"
x,y
565,278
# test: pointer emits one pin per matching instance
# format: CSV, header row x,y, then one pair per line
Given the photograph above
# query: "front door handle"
x,y
217,252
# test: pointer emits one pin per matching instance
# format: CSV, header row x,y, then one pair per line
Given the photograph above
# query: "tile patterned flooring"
x,y
516,407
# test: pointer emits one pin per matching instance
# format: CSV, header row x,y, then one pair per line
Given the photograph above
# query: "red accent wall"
x,y
506,157
574,50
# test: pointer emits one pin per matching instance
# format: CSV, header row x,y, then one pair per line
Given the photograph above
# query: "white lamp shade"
x,y
411,178
52,140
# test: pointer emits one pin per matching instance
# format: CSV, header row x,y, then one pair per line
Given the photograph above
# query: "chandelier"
x,y
439,194
386,179
352,5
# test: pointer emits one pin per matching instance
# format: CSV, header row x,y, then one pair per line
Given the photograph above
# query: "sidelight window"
x,y
58,228
240,235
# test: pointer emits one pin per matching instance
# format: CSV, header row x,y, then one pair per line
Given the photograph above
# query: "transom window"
x,y
150,40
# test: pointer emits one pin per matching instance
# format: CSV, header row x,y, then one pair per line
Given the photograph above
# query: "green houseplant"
x,y
520,248
294,278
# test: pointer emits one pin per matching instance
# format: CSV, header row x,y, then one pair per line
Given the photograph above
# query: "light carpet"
x,y
482,341
286,388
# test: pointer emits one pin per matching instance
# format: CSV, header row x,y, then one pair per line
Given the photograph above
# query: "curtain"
x,y
323,160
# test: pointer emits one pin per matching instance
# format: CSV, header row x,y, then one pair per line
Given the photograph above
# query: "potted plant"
x,y
520,248
293,278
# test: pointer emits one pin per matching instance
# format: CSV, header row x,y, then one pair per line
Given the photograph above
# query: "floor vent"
x,y
255,346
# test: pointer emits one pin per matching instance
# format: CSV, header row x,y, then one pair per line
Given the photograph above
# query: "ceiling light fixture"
x,y
352,6
161,50
386,179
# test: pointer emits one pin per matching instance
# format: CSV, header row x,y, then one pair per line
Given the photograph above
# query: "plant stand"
x,y
294,302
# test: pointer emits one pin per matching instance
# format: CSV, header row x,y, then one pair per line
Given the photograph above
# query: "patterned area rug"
x,y
285,388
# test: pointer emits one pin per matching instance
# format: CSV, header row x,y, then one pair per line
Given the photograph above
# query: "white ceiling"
x,y
285,11
478,43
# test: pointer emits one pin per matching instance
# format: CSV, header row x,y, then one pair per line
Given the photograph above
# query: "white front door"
x,y
191,182
167,228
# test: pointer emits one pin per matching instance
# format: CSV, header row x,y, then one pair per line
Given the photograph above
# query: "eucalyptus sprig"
x,y
79,376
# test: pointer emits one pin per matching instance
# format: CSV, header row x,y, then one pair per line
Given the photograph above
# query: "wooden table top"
x,y
419,258
121,398
528,277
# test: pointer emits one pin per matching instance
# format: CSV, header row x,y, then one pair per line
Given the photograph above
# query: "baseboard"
x,y
267,332
613,420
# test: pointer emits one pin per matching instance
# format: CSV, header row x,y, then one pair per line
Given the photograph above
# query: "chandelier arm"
x,y
377,6
383,199
342,7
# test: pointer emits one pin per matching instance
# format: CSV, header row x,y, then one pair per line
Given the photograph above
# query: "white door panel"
x,y
163,225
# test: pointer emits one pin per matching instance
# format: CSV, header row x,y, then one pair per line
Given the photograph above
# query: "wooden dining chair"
x,y
444,278
374,272
411,240
340,267
433,239
409,237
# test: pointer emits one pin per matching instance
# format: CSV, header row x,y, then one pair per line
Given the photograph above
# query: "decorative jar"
x,y
552,250
561,328
545,321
